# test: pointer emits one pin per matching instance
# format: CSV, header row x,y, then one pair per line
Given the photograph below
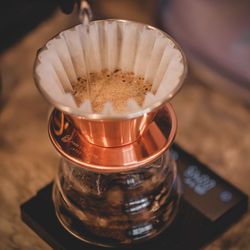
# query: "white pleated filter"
x,y
110,44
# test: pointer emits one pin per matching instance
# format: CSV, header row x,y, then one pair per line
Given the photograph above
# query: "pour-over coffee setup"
x,y
118,182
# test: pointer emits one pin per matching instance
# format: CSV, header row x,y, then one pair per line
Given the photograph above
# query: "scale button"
x,y
226,196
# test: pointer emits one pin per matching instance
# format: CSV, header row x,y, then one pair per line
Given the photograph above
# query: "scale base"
x,y
205,212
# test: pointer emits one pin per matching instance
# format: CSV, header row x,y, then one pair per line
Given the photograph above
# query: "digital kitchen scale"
x,y
209,205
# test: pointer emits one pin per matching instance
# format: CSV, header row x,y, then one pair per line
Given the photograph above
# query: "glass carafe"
x,y
112,209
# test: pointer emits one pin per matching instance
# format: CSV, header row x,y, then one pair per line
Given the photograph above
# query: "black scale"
x,y
209,205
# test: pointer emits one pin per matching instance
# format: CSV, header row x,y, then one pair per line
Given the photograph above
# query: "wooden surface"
x,y
213,127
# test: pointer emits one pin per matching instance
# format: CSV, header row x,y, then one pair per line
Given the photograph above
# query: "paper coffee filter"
x,y
109,44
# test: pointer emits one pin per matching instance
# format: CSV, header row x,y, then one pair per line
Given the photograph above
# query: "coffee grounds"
x,y
116,87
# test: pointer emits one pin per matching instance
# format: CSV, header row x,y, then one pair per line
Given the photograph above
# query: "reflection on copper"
x,y
74,146
61,124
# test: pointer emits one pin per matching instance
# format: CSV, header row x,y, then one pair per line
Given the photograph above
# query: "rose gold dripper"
x,y
110,131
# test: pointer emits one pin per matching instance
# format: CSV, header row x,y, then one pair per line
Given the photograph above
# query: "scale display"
x,y
205,190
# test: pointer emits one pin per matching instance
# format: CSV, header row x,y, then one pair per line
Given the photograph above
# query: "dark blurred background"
x,y
19,17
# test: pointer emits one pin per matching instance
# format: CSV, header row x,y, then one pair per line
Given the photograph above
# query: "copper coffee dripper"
x,y
106,131
100,132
